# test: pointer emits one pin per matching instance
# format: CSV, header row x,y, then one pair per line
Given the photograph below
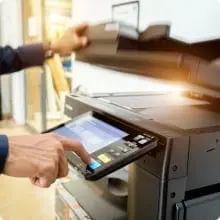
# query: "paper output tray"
x,y
163,57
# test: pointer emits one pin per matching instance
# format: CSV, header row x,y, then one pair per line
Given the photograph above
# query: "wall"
x,y
85,10
191,20
12,35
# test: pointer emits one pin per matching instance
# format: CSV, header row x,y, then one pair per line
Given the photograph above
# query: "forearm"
x,y
4,149
12,60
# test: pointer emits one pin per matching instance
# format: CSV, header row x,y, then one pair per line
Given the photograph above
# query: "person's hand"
x,y
41,157
73,40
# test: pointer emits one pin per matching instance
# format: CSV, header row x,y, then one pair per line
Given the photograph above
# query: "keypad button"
x,y
104,158
120,147
125,150
131,144
117,154
144,141
149,136
111,151
139,137
134,144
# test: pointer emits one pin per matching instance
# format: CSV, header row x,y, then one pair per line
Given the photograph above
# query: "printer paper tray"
x,y
206,208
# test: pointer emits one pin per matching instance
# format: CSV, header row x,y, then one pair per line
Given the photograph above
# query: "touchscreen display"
x,y
93,133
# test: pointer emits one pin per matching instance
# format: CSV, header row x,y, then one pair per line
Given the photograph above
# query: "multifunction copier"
x,y
179,177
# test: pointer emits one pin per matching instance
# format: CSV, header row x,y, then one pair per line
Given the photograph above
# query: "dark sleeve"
x,y
12,60
4,149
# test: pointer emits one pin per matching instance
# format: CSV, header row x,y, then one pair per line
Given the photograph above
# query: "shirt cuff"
x,y
4,149
32,55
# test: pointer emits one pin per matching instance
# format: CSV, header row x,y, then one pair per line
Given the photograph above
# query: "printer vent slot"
x,y
211,149
192,194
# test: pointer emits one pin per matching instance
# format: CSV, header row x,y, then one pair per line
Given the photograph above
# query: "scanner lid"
x,y
154,53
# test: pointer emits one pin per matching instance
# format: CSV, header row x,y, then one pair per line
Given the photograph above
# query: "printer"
x,y
179,179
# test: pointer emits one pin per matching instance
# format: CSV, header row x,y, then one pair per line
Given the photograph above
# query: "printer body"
x,y
180,178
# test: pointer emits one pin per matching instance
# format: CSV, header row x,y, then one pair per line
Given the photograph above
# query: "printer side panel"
x,y
146,187
204,160
158,182
144,194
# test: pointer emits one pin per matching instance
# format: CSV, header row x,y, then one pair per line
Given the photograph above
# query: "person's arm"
x,y
12,60
39,157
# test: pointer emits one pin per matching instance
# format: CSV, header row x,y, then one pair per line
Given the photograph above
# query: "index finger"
x,y
75,146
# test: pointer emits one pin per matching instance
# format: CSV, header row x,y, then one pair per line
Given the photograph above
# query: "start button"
x,y
94,165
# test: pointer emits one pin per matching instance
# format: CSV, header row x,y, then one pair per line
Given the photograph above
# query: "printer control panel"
x,y
118,155
111,143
